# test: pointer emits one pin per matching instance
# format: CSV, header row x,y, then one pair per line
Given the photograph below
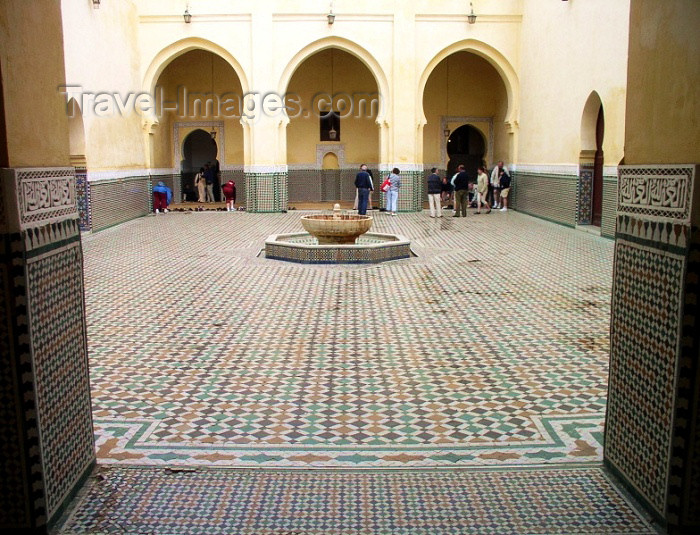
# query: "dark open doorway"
x,y
597,208
198,149
465,146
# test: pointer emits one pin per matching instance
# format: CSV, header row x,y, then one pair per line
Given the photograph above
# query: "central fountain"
x,y
337,238
337,227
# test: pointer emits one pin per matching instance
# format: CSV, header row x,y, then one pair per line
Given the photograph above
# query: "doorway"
x,y
597,203
198,150
465,146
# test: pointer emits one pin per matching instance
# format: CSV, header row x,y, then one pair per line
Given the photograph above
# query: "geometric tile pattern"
x,y
644,345
266,192
47,351
485,349
651,389
82,195
55,302
13,448
122,500
549,196
116,201
369,248
584,197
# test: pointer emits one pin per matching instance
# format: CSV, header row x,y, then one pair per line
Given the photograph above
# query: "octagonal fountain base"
x,y
370,248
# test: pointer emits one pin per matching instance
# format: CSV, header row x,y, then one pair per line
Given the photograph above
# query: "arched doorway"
x,y
590,182
208,95
331,79
76,138
465,146
465,103
598,169
198,150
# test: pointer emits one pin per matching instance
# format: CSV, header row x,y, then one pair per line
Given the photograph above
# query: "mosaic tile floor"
x,y
489,348
245,502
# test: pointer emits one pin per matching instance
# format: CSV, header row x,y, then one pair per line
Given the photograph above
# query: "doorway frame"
x,y
453,122
181,129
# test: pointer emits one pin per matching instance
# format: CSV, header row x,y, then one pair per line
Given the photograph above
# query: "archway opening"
x,y
464,89
200,93
465,146
338,106
598,169
591,159
198,150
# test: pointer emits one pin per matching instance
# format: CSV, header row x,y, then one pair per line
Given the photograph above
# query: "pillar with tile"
x,y
47,442
652,437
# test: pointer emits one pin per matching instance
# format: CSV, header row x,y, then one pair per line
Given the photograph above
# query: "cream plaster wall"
x,y
102,56
474,89
549,56
267,41
358,131
568,50
37,127
193,71
664,76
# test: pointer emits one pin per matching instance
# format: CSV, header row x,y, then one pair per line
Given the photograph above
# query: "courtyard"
x,y
489,347
460,391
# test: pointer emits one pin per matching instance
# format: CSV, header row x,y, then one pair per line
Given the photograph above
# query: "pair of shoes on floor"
x,y
503,209
477,213
489,211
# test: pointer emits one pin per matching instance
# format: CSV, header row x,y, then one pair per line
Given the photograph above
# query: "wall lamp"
x,y
471,17
187,15
95,4
331,16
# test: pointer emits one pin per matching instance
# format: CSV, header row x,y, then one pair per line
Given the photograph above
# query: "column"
x,y
48,446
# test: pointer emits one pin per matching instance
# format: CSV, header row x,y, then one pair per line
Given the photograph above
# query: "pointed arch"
x,y
490,54
178,48
589,118
347,46
76,129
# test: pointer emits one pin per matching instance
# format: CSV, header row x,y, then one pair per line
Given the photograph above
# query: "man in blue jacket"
x,y
363,183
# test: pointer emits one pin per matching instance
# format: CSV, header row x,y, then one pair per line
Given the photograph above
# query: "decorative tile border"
x,y
371,248
38,196
656,191
559,440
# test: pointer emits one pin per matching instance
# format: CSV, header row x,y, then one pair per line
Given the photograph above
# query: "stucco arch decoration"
x,y
348,46
490,54
178,48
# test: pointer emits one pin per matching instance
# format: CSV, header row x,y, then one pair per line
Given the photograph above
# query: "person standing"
x,y
434,191
162,195
496,184
201,185
446,192
460,182
229,190
392,194
363,183
505,189
209,179
482,190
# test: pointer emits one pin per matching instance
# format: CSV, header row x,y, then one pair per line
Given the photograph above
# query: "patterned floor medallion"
x,y
489,348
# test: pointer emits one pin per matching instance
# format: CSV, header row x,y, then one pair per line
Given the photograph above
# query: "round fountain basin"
x,y
336,228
